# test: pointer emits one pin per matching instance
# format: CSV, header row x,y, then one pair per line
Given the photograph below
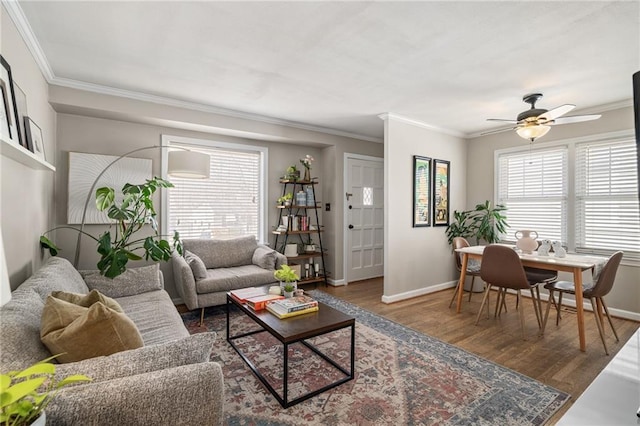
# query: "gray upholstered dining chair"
x,y
501,267
473,266
595,292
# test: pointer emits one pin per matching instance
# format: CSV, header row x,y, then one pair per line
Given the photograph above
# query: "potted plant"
x,y
286,275
285,200
484,223
131,215
306,162
25,394
292,173
288,291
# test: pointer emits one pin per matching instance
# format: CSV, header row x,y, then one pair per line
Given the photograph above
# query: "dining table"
x,y
572,263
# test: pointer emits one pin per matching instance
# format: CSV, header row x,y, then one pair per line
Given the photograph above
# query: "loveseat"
x,y
169,380
210,268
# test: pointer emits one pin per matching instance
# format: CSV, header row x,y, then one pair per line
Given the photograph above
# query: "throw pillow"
x,y
264,257
132,281
78,331
196,264
86,300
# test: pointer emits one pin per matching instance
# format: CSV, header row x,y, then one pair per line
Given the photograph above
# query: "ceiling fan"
x,y
535,122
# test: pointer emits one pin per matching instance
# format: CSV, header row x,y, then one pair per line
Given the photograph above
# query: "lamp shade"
x,y
188,164
532,131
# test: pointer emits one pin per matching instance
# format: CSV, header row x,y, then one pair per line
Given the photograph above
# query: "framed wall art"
x,y
21,111
11,115
421,189
34,138
440,193
83,171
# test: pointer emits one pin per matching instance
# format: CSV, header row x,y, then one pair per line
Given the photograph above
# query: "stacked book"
x,y
255,298
285,308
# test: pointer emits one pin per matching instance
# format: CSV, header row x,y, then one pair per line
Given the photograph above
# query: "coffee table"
x,y
293,330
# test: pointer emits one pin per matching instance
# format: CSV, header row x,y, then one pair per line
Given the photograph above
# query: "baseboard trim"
x,y
177,301
419,292
337,283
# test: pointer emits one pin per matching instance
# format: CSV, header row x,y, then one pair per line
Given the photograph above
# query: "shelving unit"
x,y
282,237
24,156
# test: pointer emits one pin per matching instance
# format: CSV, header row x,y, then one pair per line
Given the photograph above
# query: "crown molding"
x,y
26,32
397,117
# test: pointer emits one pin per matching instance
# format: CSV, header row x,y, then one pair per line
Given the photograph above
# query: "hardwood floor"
x,y
554,359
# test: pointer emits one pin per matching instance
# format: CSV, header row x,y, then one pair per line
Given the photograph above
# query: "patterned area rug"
x,y
402,377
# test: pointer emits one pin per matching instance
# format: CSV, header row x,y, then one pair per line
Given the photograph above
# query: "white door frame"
x,y
348,155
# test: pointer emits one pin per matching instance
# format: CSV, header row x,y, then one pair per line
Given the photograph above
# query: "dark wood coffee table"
x,y
293,330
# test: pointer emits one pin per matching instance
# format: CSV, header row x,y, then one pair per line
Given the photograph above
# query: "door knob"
x,y
350,226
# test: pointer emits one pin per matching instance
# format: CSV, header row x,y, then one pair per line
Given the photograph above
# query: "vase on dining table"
x,y
526,243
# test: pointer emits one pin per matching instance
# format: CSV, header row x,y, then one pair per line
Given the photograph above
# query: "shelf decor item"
x,y
306,162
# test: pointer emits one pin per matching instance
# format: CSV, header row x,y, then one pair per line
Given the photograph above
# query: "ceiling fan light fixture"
x,y
532,131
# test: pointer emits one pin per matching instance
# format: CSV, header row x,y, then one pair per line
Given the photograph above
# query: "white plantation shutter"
x,y
607,209
533,187
227,205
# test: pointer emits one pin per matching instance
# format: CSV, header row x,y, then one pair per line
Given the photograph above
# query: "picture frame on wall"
x,y
5,133
421,191
21,111
6,81
34,138
441,175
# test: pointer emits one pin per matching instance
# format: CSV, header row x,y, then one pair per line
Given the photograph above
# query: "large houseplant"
x,y
484,223
119,244
25,394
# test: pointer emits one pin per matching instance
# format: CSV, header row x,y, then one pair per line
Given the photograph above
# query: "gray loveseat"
x,y
167,381
210,268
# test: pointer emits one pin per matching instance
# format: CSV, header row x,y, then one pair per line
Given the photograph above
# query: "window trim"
x,y
629,260
166,141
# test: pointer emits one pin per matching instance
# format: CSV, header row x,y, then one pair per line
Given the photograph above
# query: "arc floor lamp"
x,y
182,163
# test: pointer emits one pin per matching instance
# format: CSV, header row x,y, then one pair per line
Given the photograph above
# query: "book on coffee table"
x,y
297,303
280,313
242,294
258,303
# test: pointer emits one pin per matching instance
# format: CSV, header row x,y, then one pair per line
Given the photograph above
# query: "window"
x,y
607,196
583,193
227,205
533,187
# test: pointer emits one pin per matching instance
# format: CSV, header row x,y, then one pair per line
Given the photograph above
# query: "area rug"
x,y
402,377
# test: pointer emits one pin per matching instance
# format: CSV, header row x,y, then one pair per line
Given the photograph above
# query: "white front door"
x,y
364,225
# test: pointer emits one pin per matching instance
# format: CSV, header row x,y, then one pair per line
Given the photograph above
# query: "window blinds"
x,y
227,205
533,187
607,197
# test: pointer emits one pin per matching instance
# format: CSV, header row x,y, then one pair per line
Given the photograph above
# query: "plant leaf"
x,y
47,244
76,378
20,390
104,198
40,368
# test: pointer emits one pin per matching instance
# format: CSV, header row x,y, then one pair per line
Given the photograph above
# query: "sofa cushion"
x,y
132,281
226,279
223,253
56,274
155,316
77,331
264,257
196,264
20,344
187,350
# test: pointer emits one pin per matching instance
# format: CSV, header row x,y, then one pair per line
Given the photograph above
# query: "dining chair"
x,y
501,267
595,292
473,266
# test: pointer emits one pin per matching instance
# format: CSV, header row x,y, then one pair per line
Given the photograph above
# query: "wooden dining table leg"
x,y
463,276
577,281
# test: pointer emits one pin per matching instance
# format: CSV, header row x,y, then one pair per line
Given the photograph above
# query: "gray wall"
x,y
27,195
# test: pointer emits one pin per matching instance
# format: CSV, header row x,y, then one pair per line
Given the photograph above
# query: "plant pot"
x,y
293,283
288,294
41,420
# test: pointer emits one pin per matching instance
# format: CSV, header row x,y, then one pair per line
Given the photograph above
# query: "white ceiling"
x,y
338,65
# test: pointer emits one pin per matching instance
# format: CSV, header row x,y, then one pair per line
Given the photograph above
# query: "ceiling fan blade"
x,y
574,119
491,132
555,113
502,119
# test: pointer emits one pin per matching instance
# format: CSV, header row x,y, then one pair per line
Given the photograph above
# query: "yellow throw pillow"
x,y
86,326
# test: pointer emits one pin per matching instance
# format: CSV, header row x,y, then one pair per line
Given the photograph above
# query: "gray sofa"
x,y
167,381
210,268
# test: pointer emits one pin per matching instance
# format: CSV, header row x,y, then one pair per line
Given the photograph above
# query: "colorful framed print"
x,y
421,189
441,192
